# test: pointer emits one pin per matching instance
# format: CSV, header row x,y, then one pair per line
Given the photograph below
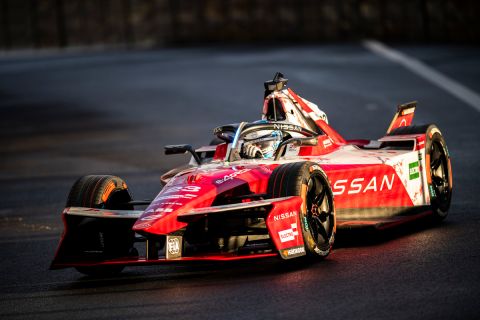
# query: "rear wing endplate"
x,y
404,116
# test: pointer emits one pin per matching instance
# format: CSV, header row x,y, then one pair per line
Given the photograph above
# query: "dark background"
x,y
100,86
127,23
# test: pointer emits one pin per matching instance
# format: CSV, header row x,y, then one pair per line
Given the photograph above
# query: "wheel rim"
x,y
439,175
320,215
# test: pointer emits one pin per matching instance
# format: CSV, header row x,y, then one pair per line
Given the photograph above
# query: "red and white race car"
x,y
276,187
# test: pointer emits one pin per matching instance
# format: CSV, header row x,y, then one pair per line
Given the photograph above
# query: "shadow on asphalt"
x,y
208,273
369,236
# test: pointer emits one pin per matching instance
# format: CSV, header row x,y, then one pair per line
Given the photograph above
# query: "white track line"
x,y
451,86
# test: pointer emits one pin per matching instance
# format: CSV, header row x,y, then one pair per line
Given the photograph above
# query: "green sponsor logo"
x,y
432,192
413,170
305,223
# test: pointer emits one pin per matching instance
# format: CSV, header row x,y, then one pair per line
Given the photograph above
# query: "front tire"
x,y
317,214
103,192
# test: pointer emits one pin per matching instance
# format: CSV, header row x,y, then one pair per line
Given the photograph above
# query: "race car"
x,y
277,187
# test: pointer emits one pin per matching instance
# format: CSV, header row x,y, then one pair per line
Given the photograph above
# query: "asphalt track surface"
x,y
66,115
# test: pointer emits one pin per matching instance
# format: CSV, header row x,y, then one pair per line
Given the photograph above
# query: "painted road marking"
x,y
416,66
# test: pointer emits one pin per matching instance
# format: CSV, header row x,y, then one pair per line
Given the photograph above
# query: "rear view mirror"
x,y
178,149
181,149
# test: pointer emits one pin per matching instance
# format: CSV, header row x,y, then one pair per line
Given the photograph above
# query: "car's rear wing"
x,y
403,117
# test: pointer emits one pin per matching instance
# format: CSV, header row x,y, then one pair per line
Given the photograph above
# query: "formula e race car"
x,y
280,186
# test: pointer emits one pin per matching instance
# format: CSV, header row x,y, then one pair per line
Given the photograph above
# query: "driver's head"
x,y
266,142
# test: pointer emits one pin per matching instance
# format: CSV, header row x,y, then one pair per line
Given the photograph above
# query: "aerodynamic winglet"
x,y
404,116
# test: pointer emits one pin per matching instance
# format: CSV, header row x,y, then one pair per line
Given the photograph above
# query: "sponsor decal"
x,y
152,217
409,110
231,176
176,196
360,185
432,191
174,247
327,143
285,215
286,126
305,224
143,225
265,169
183,189
296,251
288,234
292,150
157,214
413,170
172,203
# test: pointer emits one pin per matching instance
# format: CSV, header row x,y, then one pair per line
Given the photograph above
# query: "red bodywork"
x,y
363,180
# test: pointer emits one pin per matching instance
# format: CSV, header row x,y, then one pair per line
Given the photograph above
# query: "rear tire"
x,y
317,214
439,172
437,165
103,192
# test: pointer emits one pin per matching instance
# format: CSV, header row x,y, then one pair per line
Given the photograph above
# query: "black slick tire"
x,y
317,214
103,192
439,172
438,167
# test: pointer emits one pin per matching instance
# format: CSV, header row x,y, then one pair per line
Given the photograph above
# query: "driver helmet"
x,y
267,141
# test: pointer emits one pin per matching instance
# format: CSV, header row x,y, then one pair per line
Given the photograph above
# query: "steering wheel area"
x,y
234,133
